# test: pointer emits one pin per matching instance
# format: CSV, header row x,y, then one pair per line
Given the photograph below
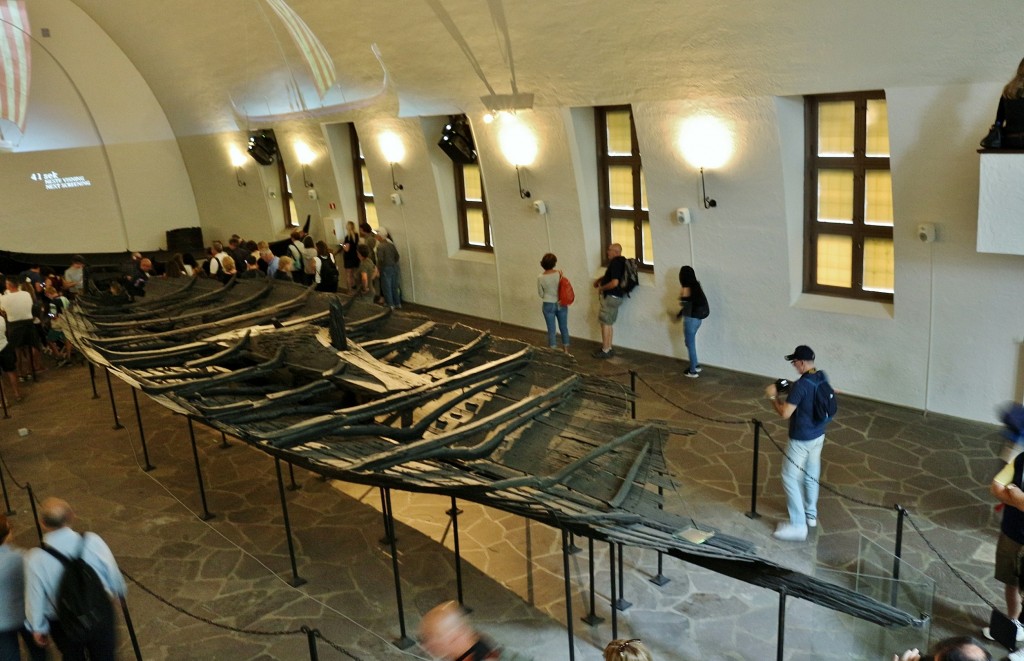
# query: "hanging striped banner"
x,y
16,54
319,62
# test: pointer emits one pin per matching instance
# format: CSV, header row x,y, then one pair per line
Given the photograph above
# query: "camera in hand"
x,y
782,385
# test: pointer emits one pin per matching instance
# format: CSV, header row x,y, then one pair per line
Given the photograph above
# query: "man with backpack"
x,y
809,406
609,287
70,585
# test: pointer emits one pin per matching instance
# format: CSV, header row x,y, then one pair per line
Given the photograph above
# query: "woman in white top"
x,y
547,289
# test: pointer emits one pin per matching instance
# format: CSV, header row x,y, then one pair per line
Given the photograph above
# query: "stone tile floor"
x,y
195,581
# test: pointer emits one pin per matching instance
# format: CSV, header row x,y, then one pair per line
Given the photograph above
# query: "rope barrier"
x,y
685,410
931,546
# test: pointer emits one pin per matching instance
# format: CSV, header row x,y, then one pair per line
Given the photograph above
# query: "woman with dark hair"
x,y
694,310
1010,114
326,275
547,289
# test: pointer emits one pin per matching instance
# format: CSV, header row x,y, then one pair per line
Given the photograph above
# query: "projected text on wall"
x,y
53,181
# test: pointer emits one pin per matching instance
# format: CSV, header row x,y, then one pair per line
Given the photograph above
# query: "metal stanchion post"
x,y
224,445
573,549
660,579
568,594
291,476
782,624
199,472
296,579
142,432
897,556
591,618
384,500
113,404
131,629
632,389
621,603
92,379
454,514
403,642
311,641
752,514
35,513
611,598
7,500
3,397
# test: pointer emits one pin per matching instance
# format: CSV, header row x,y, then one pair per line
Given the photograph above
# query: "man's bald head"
x,y
55,513
445,632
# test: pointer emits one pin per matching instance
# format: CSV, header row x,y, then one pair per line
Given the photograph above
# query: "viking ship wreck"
x,y
356,392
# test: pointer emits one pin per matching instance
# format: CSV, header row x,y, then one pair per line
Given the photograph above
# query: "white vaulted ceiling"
x,y
199,55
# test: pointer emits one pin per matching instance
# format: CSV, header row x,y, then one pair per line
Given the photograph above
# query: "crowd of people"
x,y
365,263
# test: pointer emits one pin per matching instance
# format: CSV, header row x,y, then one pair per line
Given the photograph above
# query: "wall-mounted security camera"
x,y
540,207
396,199
311,193
683,216
926,232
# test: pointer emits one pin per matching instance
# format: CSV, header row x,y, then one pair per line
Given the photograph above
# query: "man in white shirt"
x,y
17,307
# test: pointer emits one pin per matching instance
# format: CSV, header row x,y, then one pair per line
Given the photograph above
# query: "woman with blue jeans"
x,y
547,289
694,310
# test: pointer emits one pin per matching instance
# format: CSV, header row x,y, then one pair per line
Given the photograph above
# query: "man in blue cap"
x,y
802,467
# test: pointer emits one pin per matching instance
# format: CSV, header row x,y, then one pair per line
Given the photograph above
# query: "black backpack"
x,y
83,606
825,406
328,271
631,277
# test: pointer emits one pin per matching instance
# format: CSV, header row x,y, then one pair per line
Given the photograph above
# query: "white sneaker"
x,y
787,532
812,522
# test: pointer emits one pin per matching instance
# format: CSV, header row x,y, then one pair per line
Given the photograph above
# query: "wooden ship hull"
x,y
354,392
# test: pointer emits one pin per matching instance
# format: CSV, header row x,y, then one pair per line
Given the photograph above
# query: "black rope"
x,y
960,576
688,411
950,567
9,473
821,484
336,646
228,627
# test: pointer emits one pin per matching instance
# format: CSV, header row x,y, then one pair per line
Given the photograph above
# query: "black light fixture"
x,y
262,146
457,140
708,202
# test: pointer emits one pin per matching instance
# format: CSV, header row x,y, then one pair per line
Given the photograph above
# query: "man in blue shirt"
x,y
42,579
802,467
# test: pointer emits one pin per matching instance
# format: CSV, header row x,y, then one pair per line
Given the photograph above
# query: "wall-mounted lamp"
x,y
238,160
394,151
519,145
305,156
708,202
705,142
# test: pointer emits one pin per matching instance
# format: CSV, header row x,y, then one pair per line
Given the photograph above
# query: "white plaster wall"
x,y
137,168
953,307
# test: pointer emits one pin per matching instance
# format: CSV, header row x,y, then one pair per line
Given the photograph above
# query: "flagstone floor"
x,y
222,588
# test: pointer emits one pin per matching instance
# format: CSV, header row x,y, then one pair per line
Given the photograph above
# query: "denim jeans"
x,y
389,286
690,327
801,486
553,311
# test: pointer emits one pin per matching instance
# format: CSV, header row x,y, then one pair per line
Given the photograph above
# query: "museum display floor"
x,y
220,588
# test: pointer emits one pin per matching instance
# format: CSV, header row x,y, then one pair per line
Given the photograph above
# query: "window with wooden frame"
x,y
848,245
471,205
365,203
621,186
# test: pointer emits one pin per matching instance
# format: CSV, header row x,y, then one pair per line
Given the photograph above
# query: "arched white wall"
x,y
92,117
